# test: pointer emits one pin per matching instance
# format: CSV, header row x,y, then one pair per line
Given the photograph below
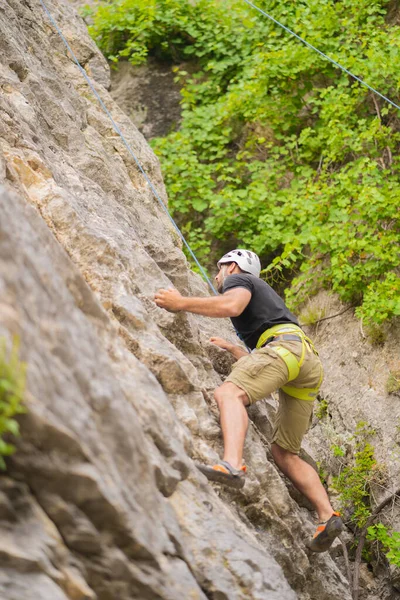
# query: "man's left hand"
x,y
169,299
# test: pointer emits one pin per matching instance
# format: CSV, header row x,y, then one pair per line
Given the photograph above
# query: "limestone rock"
x,y
148,95
120,393
356,374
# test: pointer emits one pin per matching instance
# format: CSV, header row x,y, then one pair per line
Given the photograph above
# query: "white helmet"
x,y
248,261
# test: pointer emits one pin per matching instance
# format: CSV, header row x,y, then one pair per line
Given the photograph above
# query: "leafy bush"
x,y
356,478
354,486
389,540
278,150
12,386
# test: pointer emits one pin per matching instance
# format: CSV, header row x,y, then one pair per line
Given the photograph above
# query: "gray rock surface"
x,y
149,95
355,389
102,500
356,375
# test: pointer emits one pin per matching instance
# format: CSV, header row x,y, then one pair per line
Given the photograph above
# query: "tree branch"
x,y
378,112
330,317
347,563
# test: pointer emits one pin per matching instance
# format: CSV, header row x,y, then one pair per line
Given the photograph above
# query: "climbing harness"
x,y
291,332
334,62
128,147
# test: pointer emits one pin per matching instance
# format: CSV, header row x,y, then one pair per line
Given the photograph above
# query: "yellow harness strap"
x,y
279,330
302,393
290,360
293,365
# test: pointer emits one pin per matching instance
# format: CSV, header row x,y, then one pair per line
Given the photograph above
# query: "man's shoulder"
x,y
239,280
241,277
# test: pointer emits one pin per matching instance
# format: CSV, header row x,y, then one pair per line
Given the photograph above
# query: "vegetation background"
x,y
278,150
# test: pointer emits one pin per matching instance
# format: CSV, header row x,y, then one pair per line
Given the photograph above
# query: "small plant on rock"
x,y
393,382
322,472
312,314
375,334
12,387
338,451
322,409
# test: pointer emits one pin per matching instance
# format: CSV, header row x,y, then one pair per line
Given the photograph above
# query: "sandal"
x,y
223,472
326,533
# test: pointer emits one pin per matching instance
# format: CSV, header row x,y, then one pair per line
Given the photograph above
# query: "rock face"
x,y
149,95
355,390
102,500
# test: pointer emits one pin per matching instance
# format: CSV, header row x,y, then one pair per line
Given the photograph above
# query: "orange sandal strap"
x,y
225,467
322,526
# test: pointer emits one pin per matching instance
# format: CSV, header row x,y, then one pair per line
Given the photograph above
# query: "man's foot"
x,y
326,533
223,472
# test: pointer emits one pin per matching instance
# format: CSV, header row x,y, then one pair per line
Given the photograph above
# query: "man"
x,y
283,358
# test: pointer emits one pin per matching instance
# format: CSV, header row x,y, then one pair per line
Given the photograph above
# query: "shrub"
x,y
354,485
389,541
356,478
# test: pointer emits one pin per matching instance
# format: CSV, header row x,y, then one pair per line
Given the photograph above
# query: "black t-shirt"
x,y
264,310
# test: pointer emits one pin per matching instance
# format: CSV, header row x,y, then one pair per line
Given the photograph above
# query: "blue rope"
x,y
117,129
322,54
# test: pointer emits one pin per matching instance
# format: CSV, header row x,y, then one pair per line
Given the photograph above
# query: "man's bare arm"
x,y
236,351
230,304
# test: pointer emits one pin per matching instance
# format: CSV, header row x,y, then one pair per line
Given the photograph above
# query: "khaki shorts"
x,y
263,372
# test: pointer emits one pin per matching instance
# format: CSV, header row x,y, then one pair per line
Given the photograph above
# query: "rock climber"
x,y
282,358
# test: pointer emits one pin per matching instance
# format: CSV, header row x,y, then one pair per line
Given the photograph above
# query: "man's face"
x,y
220,277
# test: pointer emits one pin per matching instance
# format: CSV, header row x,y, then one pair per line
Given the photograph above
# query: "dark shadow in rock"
x,y
149,95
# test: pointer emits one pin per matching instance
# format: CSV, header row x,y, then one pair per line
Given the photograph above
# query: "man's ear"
x,y
231,268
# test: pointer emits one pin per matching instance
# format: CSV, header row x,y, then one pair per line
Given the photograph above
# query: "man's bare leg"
x,y
305,479
231,402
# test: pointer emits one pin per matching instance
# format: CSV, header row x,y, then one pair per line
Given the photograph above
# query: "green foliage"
x,y
322,472
381,299
393,382
355,479
354,485
312,314
389,540
375,334
278,150
321,410
12,386
338,450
